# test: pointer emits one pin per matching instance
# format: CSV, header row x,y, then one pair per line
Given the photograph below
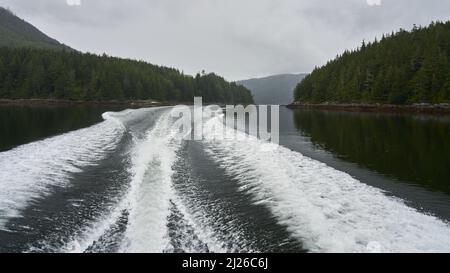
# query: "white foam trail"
x,y
133,116
27,172
93,232
150,193
151,189
198,222
328,210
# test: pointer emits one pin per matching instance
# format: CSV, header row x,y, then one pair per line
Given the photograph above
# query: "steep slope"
x,y
277,89
35,66
407,67
15,32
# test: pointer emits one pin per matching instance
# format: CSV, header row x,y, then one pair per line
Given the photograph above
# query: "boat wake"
x,y
150,217
214,195
34,170
328,210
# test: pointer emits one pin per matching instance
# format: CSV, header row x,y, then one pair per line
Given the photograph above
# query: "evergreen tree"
x,y
42,73
401,68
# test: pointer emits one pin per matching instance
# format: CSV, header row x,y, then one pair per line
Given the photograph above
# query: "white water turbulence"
x,y
29,171
150,201
151,188
136,123
167,205
326,209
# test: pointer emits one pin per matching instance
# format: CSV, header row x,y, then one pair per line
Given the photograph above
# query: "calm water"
x,y
24,124
341,182
414,149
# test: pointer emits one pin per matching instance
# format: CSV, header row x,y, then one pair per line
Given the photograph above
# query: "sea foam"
x,y
29,171
328,210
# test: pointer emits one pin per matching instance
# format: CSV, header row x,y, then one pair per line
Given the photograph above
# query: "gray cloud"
x,y
235,38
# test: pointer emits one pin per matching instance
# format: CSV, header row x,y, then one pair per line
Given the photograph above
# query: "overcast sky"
x,y
235,38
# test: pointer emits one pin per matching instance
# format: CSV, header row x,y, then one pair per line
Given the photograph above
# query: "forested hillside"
x,y
33,65
406,67
38,73
15,32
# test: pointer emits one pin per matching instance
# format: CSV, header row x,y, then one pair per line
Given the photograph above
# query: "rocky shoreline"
x,y
436,109
54,102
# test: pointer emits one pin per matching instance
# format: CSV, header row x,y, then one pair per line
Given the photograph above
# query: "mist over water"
x,y
128,184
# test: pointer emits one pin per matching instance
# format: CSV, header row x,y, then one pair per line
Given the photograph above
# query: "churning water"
x,y
129,184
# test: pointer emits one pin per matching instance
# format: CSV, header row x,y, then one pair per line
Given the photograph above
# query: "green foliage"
x,y
33,65
15,32
40,73
402,68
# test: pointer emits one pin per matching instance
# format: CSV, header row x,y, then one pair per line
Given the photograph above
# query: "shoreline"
x,y
62,103
118,103
431,109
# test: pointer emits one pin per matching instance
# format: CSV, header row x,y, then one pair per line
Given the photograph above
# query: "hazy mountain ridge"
x,y
16,32
276,89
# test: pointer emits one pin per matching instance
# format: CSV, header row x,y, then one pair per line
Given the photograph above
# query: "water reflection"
x,y
24,124
414,149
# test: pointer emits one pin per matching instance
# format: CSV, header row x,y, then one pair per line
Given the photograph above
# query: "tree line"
x,y
406,67
49,74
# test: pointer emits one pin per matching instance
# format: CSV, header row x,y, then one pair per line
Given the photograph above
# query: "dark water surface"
x,y
406,155
414,149
24,124
122,184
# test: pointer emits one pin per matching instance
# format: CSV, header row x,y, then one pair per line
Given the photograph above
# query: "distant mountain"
x,y
277,89
15,32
